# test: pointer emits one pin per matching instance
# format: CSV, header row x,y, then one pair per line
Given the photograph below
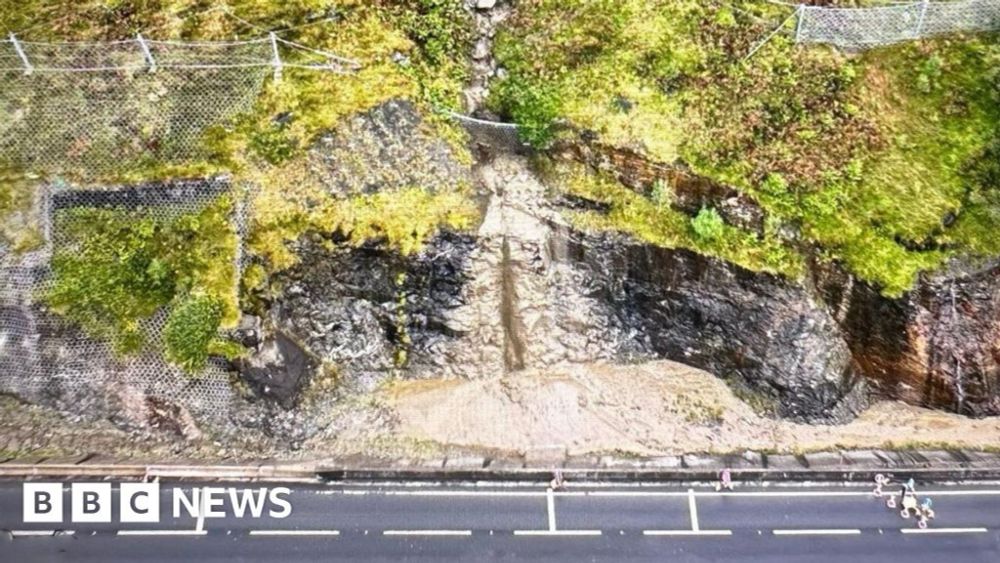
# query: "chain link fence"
x,y
862,28
81,111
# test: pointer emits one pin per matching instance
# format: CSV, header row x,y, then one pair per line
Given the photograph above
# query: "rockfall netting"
x,y
49,359
73,115
862,28
492,134
82,110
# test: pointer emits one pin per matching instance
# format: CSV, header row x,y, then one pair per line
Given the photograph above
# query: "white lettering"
x,y
242,499
190,504
275,498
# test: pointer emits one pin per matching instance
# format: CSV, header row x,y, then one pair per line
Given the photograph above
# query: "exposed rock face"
x,y
386,148
937,346
528,291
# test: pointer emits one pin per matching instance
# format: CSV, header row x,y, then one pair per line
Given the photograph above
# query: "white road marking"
x,y
693,509
200,523
819,532
550,504
427,533
162,532
944,531
687,532
294,532
557,532
37,533
651,494
779,494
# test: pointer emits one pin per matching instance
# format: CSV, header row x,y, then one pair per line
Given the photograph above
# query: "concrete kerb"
x,y
751,467
146,472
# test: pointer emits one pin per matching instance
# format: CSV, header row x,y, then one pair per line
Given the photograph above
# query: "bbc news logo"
x,y
140,502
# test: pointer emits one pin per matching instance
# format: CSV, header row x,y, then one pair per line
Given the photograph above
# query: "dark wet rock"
x,y
762,333
528,291
278,369
936,346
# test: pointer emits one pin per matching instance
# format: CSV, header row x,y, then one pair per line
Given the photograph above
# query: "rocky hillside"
x,y
815,228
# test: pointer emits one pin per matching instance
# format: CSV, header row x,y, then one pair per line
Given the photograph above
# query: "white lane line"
x,y
693,509
427,533
38,533
200,523
557,532
162,532
778,494
652,494
818,532
550,504
294,532
944,531
687,532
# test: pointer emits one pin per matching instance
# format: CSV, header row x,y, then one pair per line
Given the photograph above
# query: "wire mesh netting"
x,y
47,358
492,134
861,28
82,110
73,115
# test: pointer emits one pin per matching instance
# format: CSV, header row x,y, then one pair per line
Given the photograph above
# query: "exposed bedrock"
x,y
937,346
528,291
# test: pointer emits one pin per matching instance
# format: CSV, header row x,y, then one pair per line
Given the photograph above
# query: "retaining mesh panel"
x,y
496,135
87,110
48,359
861,28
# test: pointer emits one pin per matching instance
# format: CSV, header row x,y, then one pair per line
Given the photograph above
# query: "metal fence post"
x,y
798,26
146,53
277,56
20,53
923,18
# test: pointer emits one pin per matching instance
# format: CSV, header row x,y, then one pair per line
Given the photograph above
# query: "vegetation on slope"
x,y
653,220
120,267
124,266
882,160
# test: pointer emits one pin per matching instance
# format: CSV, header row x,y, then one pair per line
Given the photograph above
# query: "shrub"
x,y
708,225
533,107
192,328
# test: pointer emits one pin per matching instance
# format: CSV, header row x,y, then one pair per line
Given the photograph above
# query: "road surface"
x,y
528,523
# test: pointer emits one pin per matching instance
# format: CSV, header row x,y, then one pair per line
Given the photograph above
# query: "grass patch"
x,y
885,162
657,223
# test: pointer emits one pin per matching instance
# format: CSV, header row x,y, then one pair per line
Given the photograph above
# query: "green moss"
x,y
119,267
404,220
16,226
883,158
192,332
661,225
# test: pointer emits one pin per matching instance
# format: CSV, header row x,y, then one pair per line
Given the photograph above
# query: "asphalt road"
x,y
524,523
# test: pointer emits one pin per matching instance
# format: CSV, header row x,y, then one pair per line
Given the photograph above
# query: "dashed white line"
x,y
39,533
294,532
687,532
693,509
550,504
427,533
818,532
162,532
944,531
557,532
